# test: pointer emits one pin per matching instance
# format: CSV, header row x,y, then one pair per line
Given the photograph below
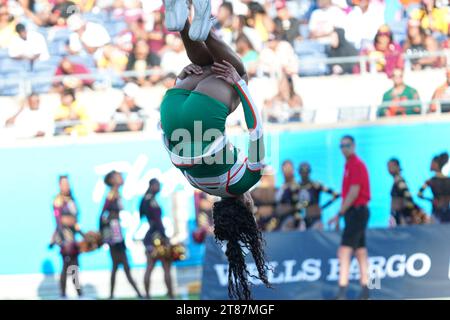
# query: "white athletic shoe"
x,y
202,22
177,12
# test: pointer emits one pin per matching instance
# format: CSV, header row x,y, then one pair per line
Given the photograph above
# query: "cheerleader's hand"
x,y
190,69
334,221
226,72
392,222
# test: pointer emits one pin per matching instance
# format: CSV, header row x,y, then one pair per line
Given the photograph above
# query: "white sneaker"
x,y
177,13
202,23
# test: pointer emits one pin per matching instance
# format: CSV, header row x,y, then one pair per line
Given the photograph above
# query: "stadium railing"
x,y
24,81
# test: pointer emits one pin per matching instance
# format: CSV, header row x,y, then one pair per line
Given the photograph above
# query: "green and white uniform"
x,y
194,136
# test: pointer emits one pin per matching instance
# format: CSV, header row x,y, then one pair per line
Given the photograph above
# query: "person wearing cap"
x,y
354,209
28,45
128,116
86,36
310,192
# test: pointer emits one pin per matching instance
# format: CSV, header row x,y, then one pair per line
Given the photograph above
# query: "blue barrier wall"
x,y
29,182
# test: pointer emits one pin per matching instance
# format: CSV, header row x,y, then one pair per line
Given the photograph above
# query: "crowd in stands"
x,y
65,47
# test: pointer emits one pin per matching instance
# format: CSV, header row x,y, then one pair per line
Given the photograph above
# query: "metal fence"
x,y
26,80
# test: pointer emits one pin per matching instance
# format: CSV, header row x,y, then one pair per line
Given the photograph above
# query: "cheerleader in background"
x,y
111,232
66,215
309,194
440,187
157,244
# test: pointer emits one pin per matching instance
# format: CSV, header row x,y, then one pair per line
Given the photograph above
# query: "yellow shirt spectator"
x,y
7,27
438,20
112,59
73,117
85,5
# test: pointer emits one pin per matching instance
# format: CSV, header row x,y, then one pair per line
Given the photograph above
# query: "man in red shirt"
x,y
356,196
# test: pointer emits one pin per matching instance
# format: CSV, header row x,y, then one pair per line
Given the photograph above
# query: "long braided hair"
x,y
234,223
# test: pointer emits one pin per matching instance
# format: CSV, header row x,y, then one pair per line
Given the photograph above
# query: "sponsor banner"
x,y
405,263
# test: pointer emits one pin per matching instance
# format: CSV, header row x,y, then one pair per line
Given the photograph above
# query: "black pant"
x,y
118,253
443,214
68,261
356,219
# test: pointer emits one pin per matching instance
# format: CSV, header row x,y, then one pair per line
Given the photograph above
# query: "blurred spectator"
x,y
71,117
7,27
129,116
247,53
286,105
224,17
168,81
86,36
157,35
30,120
419,42
28,45
127,37
401,99
141,60
363,22
204,216
340,48
258,19
239,26
287,199
285,24
277,58
264,196
442,94
70,70
61,11
403,209
112,59
174,59
85,5
324,19
49,13
432,18
385,53
309,194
